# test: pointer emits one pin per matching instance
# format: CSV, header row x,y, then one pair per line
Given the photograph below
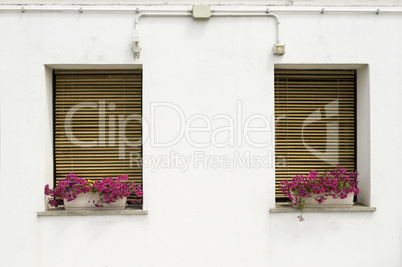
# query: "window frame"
x,y
363,121
101,68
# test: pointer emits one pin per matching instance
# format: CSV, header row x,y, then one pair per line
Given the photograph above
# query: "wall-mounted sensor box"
x,y
279,49
201,12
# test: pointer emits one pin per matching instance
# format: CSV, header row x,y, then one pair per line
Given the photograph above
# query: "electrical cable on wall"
x,y
219,11
205,12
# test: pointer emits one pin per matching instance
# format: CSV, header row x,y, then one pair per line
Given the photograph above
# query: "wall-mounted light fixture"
x,y
136,44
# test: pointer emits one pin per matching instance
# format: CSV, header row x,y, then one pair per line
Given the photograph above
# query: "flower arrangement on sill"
x,y
336,184
109,189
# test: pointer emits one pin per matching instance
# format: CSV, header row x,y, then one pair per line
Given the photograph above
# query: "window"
x,y
97,123
315,113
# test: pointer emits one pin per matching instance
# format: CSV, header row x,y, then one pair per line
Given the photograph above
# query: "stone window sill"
x,y
63,212
287,208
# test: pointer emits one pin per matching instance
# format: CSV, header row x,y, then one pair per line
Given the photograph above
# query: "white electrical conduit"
x,y
215,12
234,13
136,36
252,15
158,14
39,8
60,8
382,10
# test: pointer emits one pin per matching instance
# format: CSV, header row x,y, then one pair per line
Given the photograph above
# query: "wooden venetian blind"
x,y
315,122
104,108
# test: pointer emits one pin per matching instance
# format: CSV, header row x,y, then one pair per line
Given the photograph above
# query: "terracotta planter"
x,y
85,202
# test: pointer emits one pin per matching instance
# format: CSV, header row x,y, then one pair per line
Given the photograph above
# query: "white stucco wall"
x,y
202,216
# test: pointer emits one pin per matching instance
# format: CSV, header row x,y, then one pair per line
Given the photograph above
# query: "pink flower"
x,y
110,189
337,184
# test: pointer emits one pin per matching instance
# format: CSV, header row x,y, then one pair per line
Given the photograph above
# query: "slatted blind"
x,y
98,103
315,122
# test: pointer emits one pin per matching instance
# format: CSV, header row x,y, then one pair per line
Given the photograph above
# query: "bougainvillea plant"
x,y
336,184
109,189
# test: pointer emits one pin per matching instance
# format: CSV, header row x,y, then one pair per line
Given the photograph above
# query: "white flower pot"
x,y
85,202
330,202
